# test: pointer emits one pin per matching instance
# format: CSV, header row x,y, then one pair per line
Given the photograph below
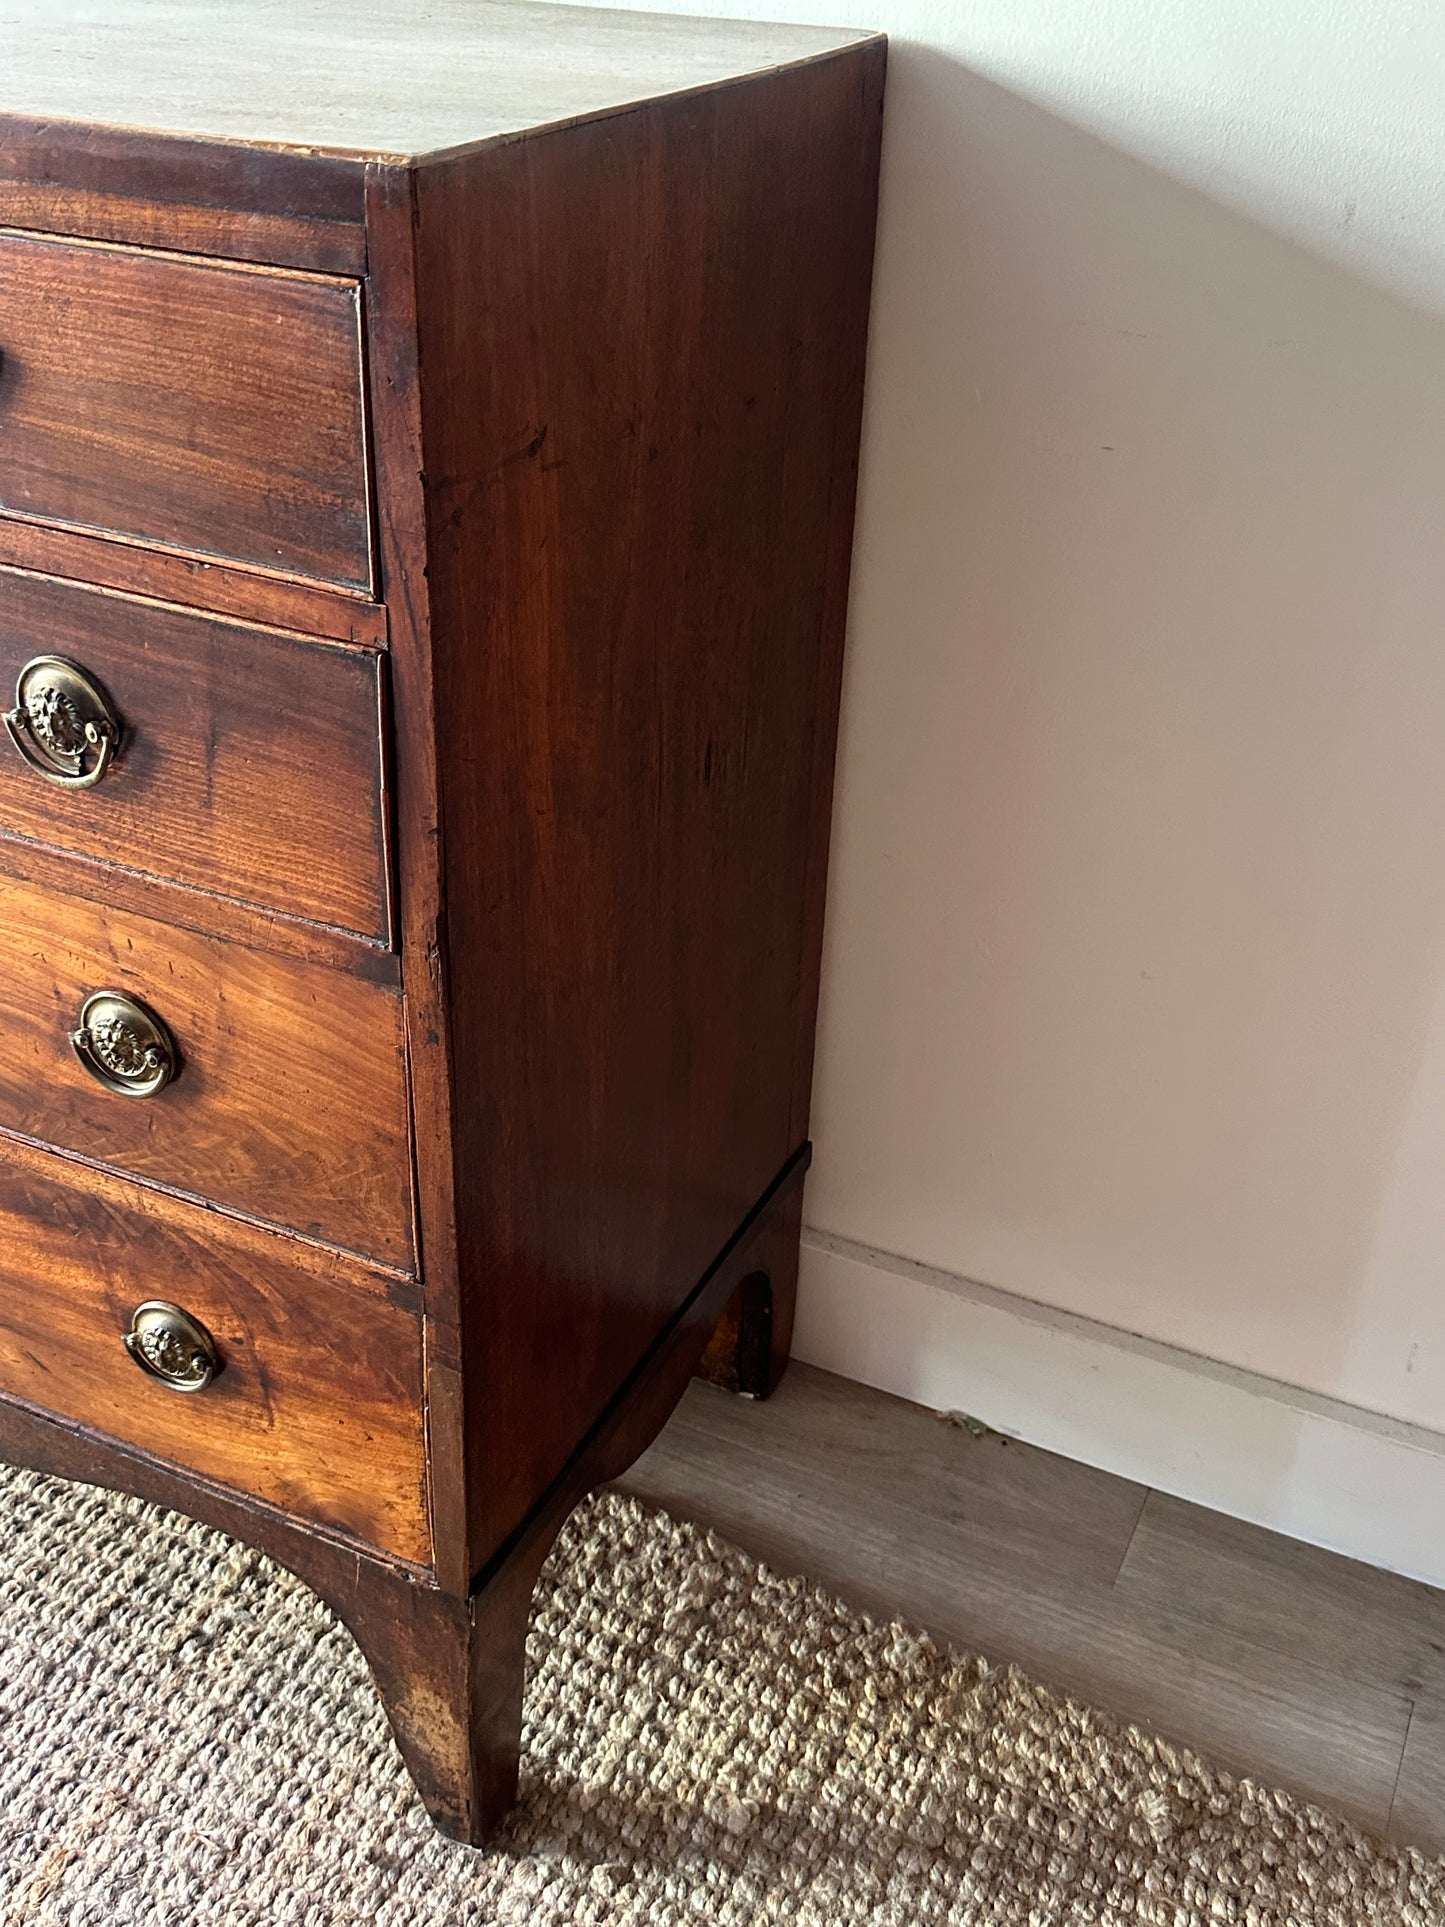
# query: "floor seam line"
x,y
1133,1535
1400,1769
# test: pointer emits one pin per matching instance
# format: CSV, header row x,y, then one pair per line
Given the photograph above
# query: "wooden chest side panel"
x,y
250,763
290,1104
318,1407
641,346
210,409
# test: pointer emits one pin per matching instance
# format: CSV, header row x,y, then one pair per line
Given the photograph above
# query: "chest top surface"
x,y
366,77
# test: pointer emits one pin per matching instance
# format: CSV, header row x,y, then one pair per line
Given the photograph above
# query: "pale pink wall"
x,y
1137,928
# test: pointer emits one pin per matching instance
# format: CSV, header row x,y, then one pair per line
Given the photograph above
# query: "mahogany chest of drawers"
x,y
427,459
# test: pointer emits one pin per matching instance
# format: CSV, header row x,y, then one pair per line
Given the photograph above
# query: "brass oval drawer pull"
x,y
172,1346
63,723
124,1045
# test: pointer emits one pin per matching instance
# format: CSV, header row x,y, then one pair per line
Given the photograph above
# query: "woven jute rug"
x,y
188,1736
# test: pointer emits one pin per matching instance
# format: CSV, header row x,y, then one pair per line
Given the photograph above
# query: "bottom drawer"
x,y
317,1405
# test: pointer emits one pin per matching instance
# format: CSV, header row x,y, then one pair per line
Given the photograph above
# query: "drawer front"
x,y
317,1407
203,407
249,763
290,1099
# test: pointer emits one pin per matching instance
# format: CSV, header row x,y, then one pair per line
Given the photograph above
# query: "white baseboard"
x,y
1328,1473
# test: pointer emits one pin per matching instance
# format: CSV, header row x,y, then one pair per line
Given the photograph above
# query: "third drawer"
x,y
289,1099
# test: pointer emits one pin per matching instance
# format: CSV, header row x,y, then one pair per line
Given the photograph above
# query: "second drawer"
x,y
288,1101
249,762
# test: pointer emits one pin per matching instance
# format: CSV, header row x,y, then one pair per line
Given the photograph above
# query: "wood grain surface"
x,y
640,461
364,76
421,740
194,582
194,197
318,1406
250,762
71,875
204,407
290,1104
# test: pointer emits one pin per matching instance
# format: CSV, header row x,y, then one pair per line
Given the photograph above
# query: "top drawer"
x,y
210,408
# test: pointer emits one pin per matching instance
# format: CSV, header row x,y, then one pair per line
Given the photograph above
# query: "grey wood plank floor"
x,y
1291,1665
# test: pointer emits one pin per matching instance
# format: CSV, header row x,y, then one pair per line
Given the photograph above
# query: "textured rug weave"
x,y
187,1736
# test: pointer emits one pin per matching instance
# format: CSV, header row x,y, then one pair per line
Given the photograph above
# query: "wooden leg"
x,y
499,1614
749,1350
449,1673
418,1645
